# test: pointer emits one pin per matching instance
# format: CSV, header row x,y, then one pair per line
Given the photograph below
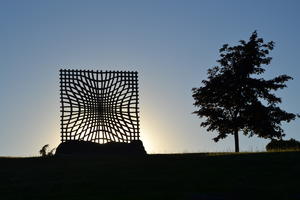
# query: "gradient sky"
x,y
170,43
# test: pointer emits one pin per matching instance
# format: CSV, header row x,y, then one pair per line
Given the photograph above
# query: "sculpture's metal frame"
x,y
99,106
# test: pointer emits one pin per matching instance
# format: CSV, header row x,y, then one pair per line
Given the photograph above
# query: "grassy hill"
x,y
170,176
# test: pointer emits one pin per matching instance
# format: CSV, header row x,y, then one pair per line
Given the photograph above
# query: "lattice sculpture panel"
x,y
99,106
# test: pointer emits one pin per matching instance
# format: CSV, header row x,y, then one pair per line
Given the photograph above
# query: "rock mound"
x,y
76,147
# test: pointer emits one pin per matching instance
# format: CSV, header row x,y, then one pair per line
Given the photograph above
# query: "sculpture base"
x,y
85,148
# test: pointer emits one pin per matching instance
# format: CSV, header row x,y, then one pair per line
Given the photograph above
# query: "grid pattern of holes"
x,y
99,106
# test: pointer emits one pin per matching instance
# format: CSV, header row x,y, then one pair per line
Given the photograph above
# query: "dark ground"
x,y
178,176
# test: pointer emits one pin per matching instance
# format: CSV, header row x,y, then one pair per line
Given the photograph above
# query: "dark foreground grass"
x,y
178,176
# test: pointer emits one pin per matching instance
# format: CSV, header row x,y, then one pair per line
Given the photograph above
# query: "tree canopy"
x,y
234,98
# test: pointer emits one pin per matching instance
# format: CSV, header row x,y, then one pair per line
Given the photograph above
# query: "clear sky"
x,y
170,43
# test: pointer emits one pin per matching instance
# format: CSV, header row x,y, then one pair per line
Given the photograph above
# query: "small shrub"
x,y
45,153
277,145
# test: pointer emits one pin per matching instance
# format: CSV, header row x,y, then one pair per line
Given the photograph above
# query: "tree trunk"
x,y
236,141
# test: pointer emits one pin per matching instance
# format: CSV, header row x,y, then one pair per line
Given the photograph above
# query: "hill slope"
x,y
178,176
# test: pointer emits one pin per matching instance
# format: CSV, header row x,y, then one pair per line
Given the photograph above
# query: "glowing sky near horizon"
x,y
171,44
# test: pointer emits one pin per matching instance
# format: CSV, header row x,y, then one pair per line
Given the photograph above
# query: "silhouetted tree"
x,y
235,99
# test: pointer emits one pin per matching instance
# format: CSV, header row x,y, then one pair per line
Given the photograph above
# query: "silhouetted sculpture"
x,y
99,107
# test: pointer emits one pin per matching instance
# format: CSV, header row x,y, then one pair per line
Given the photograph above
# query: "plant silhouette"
x,y
279,145
44,151
235,99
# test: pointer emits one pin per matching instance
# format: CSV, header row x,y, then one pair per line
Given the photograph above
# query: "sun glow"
x,y
152,139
